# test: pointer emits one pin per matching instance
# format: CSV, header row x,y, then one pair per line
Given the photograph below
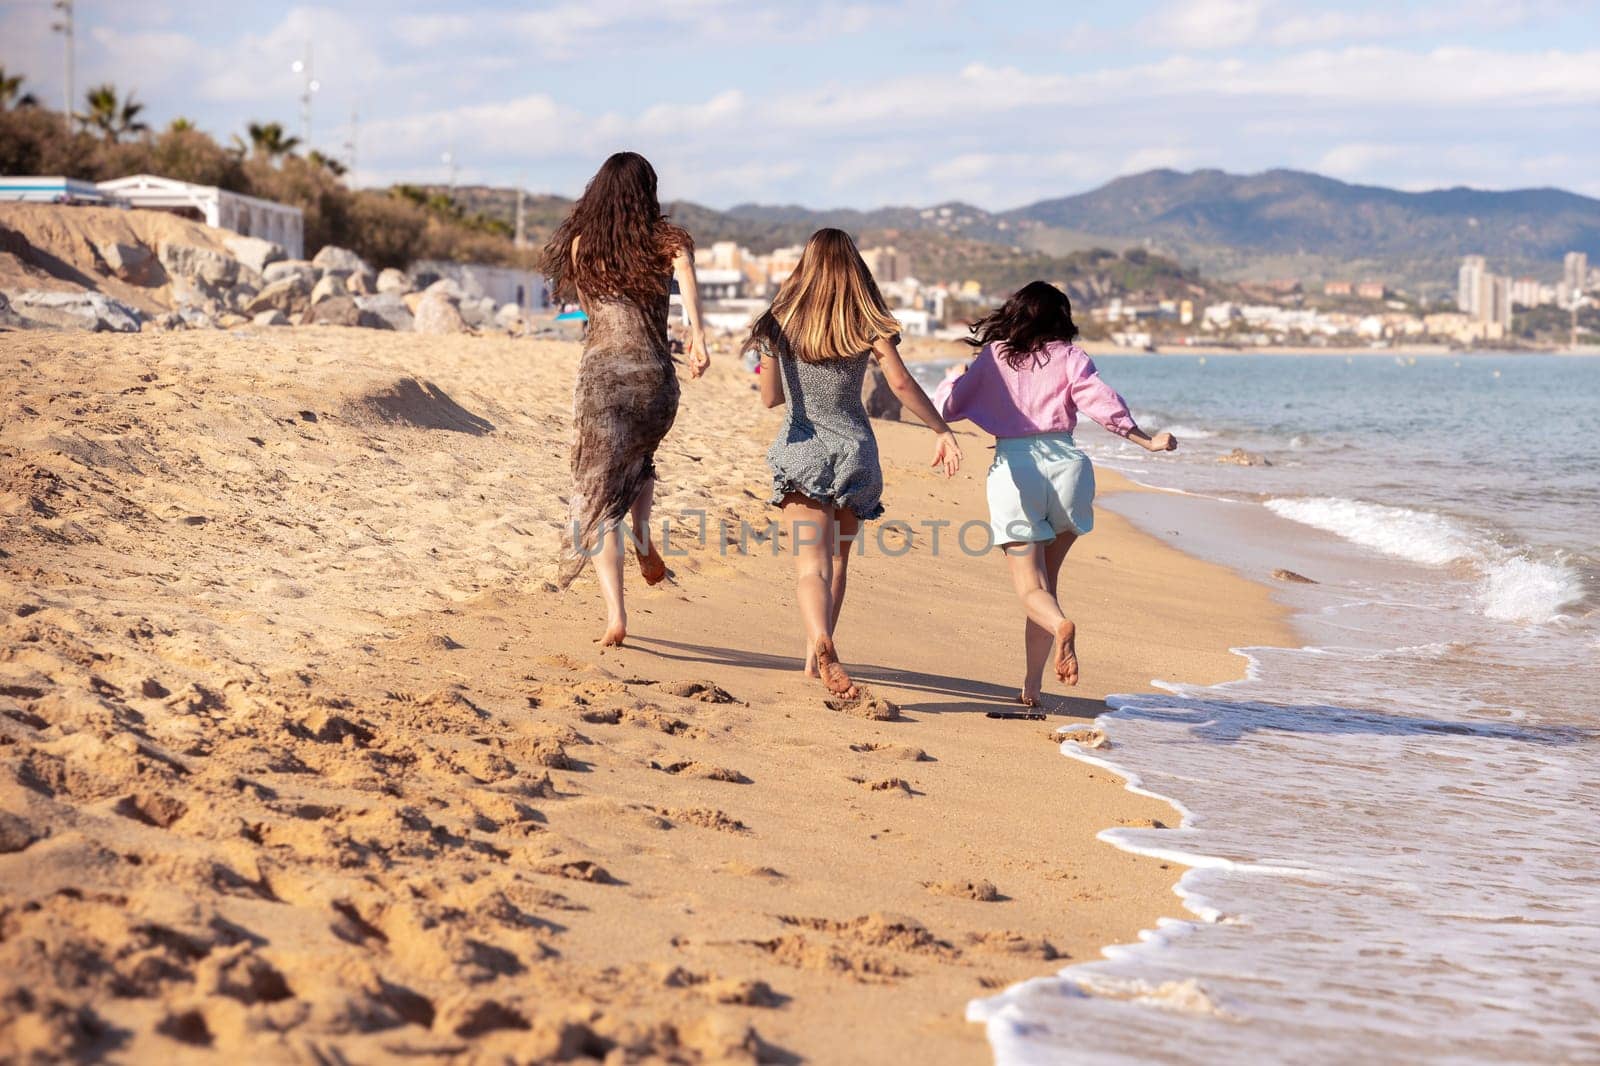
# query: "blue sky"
x,y
863,103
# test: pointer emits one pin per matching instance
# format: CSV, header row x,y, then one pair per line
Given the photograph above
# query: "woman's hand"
x,y
698,358
1163,442
947,453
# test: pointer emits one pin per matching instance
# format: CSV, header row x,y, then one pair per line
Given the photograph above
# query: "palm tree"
x,y
268,139
326,162
113,117
10,88
181,125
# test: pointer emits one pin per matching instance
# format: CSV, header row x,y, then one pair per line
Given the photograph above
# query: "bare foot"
x,y
652,567
616,633
811,664
832,673
1028,700
1066,652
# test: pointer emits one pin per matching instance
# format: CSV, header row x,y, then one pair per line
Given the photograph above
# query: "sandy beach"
x,y
301,758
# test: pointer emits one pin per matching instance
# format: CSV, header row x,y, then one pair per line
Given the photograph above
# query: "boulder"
x,y
335,260
196,318
437,313
392,280
230,319
169,321
192,292
509,318
288,294
412,300
876,396
274,317
361,283
333,311
327,287
9,319
477,312
290,268
389,307
1240,457
449,287
199,264
75,310
257,253
132,263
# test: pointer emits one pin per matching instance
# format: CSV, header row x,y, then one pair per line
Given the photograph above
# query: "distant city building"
x,y
1469,283
887,263
1337,288
913,323
1574,276
1531,292
1371,290
720,284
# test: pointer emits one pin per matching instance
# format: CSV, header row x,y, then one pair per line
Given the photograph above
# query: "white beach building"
x,y
528,289
54,190
245,215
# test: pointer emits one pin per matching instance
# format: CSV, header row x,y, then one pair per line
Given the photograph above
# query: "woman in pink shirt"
x,y
1027,387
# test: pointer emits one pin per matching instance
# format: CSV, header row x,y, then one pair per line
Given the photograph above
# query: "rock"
x,y
256,253
75,310
168,322
334,311
1281,574
132,263
412,300
437,313
16,833
879,400
335,260
196,318
288,294
388,306
509,318
361,283
273,317
200,264
290,268
1240,457
327,287
395,281
9,319
449,287
230,319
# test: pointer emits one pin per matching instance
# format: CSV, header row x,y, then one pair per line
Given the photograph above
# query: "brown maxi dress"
x,y
622,406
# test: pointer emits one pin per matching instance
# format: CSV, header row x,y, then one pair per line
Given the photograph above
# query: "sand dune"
x,y
300,759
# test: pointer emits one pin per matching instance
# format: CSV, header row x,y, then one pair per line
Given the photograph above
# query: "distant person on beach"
x,y
617,254
1027,386
826,323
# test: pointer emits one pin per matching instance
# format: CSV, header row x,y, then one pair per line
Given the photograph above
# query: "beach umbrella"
x,y
572,316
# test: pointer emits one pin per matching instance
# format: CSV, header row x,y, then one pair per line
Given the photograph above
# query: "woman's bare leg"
x,y
846,526
811,538
1035,572
651,565
608,569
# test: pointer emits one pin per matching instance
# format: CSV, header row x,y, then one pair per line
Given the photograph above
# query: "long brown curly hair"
x,y
624,244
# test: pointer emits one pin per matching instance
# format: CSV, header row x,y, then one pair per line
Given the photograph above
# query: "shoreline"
x,y
310,680
923,350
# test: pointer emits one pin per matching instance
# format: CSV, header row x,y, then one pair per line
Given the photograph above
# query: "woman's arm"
x,y
1105,405
689,289
771,376
946,453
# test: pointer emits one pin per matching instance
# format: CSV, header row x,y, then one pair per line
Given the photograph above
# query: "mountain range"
x,y
1233,227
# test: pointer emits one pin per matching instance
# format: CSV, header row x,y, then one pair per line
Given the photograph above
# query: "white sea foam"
x,y
1513,587
1516,589
1185,432
1417,536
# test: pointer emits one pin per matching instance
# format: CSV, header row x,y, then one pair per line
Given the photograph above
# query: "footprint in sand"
x,y
980,890
702,770
904,752
867,705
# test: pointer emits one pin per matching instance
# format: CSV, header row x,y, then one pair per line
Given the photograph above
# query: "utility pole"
x,y
350,144
309,86
521,239
66,29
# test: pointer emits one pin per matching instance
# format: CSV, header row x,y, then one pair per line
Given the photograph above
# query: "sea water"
x,y
1390,832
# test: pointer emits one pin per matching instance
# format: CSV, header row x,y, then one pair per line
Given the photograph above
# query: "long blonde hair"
x,y
829,308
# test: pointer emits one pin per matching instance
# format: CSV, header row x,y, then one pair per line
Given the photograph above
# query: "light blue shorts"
x,y
1039,488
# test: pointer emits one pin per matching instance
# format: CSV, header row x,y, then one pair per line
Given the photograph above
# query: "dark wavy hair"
x,y
1037,314
624,244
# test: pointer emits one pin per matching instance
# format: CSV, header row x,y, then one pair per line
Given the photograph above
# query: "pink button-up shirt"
x,y
1035,399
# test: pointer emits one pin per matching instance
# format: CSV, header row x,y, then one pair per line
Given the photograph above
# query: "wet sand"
x,y
301,759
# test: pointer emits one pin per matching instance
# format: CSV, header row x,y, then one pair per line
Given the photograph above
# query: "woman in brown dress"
x,y
617,253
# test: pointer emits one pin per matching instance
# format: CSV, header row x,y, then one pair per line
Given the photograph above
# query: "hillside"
x,y
1288,221
1233,227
